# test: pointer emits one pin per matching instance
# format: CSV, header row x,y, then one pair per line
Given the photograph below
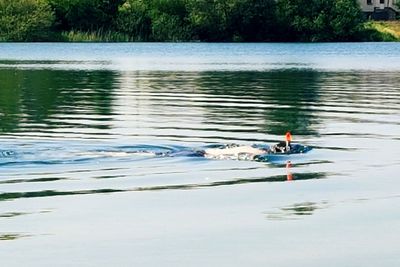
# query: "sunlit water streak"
x,y
96,134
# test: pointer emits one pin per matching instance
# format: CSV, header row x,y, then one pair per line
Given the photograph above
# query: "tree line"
x,y
184,20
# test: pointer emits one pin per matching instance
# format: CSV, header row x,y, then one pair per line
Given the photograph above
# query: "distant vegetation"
x,y
25,20
384,30
186,20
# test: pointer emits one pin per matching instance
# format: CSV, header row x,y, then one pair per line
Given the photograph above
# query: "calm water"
x,y
86,132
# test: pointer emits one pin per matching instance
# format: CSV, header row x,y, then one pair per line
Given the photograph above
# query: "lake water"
x,y
88,174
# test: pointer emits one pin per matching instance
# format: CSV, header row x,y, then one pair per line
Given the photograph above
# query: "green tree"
x,y
85,14
319,20
211,19
25,20
155,20
170,20
233,20
346,20
254,20
134,19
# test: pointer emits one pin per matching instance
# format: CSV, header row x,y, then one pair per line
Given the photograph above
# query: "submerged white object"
x,y
236,152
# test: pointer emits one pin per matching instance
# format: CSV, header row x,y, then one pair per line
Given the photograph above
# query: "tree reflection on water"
x,y
29,98
286,95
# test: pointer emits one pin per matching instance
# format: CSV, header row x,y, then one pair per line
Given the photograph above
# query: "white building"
x,y
380,9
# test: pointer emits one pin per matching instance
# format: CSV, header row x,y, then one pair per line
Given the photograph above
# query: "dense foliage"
x,y
84,14
25,20
320,20
232,20
181,20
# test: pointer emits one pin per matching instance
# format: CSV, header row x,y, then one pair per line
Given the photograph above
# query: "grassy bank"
x,y
376,31
387,31
95,36
384,30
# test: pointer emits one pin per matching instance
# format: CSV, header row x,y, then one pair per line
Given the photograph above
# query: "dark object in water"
x,y
187,153
274,155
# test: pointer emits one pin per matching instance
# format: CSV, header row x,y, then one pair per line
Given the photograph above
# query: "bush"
x,y
25,20
154,20
211,20
254,20
319,20
346,19
374,31
233,20
134,20
86,15
169,28
170,20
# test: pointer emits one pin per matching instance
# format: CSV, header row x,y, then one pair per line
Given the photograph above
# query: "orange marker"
x,y
288,138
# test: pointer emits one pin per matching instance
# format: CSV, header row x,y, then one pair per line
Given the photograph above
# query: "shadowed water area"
x,y
97,169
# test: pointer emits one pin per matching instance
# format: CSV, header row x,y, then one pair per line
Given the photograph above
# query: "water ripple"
x,y
74,126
